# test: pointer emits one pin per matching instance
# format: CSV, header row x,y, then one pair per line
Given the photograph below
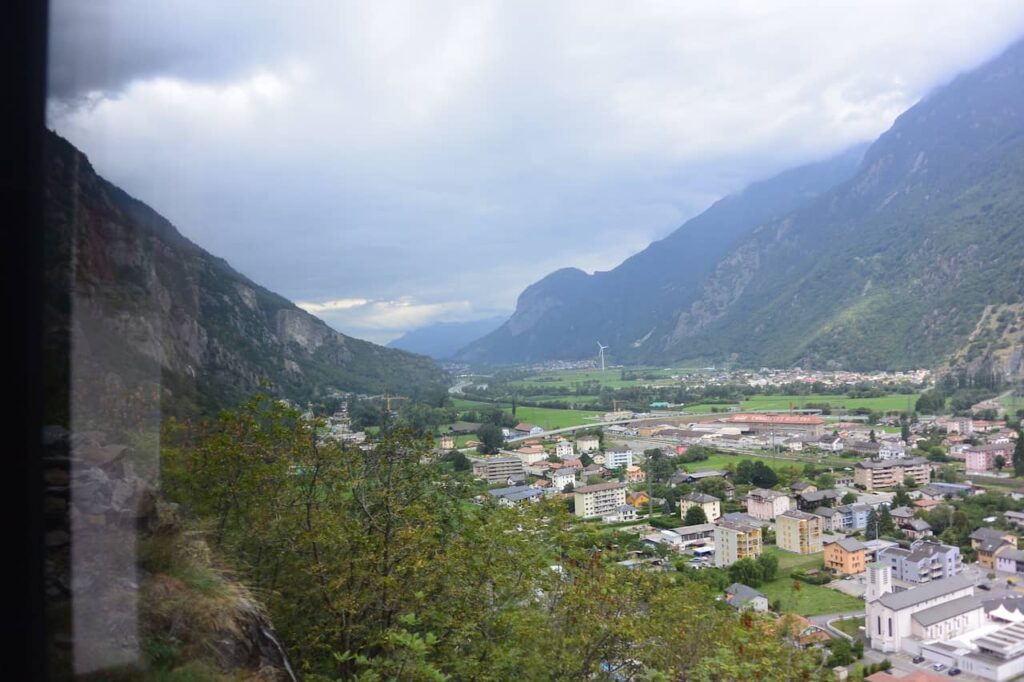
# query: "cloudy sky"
x,y
391,164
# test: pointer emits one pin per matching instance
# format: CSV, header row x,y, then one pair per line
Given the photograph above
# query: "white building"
x,y
766,504
898,621
620,456
588,443
563,449
562,477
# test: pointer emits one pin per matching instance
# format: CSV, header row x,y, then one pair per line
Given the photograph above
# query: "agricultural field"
x,y
897,402
808,600
544,417
611,378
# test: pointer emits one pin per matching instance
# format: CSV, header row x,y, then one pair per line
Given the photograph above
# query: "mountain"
x,y
152,308
442,339
564,315
911,259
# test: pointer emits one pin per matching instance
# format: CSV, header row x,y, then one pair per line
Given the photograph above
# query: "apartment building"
x,y
735,541
597,500
924,562
846,556
797,531
888,473
499,469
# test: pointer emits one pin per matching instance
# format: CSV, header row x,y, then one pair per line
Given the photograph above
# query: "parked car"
x,y
939,666
953,672
918,659
984,586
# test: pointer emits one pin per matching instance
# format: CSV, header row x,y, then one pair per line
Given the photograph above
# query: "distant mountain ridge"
x,y
442,340
156,303
886,264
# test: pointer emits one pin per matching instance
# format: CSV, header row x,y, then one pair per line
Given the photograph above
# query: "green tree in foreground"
x,y
373,566
695,515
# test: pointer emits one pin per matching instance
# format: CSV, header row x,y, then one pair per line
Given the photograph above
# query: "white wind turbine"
x,y
600,353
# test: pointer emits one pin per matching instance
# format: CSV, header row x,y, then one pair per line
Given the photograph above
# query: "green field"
x,y
544,417
720,460
808,600
896,402
609,377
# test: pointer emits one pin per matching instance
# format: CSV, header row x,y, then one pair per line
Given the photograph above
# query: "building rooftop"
x,y
598,487
741,594
1006,643
797,514
898,601
738,527
849,544
785,419
940,612
889,463
766,494
700,498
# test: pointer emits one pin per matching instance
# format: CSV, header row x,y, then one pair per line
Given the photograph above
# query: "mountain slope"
x,y
442,339
892,267
895,267
563,315
157,307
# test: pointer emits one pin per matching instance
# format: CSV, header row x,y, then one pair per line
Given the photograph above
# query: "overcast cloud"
x,y
391,164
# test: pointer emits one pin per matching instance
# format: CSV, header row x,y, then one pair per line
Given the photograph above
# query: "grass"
x,y
545,417
850,626
809,600
1012,403
896,402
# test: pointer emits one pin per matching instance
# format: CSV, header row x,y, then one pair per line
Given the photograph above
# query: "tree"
x,y
458,460
901,498
849,498
695,515
713,486
999,462
491,439
872,437
905,431
872,531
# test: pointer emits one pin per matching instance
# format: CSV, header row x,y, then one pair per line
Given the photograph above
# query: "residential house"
x,y
597,500
831,519
709,503
523,429
915,529
635,474
817,498
870,475
1010,561
563,449
988,542
1014,517
447,442
638,499
698,476
800,487
560,478
924,562
735,541
767,504
846,556
830,443
742,597
891,450
854,516
799,532
620,514
530,454
588,444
